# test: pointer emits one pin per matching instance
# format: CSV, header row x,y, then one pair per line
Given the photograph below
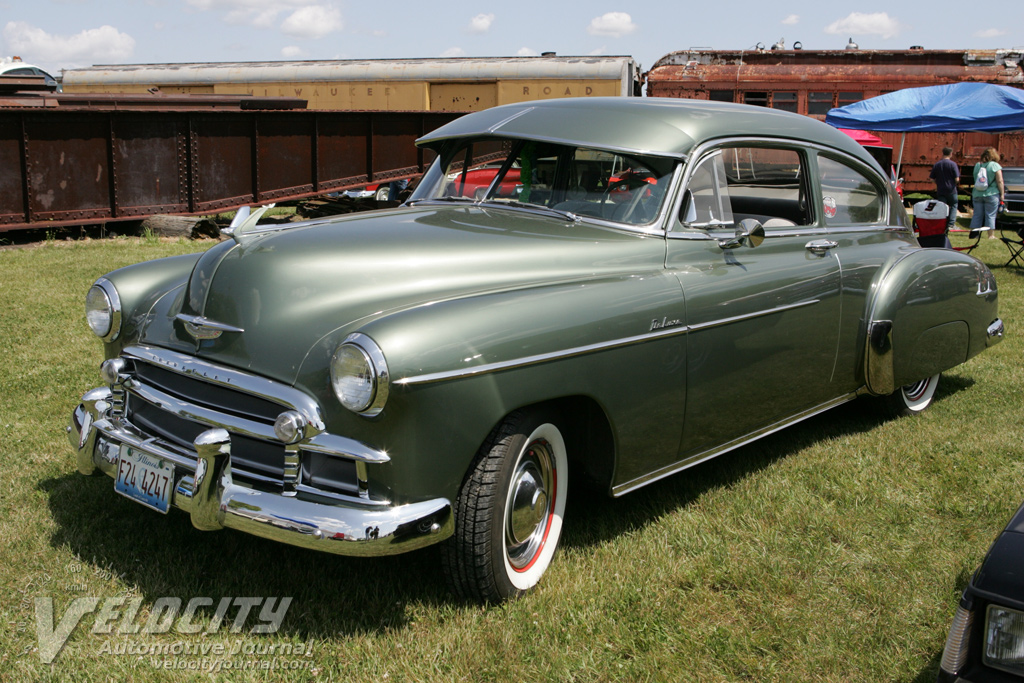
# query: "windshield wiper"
x,y
567,215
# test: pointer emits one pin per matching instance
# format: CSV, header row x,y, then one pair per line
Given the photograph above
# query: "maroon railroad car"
x,y
811,82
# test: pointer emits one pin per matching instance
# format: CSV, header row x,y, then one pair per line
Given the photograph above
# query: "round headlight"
x,y
359,375
103,310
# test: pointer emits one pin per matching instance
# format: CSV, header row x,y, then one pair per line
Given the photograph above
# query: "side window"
x,y
848,196
763,183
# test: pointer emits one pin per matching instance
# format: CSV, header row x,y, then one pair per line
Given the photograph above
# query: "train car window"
x,y
784,100
848,196
722,96
757,99
818,103
849,98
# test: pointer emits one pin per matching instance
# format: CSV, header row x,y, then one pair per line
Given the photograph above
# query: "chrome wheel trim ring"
x,y
534,505
918,395
528,510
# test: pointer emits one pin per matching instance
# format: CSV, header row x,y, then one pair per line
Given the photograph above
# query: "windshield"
x,y
612,186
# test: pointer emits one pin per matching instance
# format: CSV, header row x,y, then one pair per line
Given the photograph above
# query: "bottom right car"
x,y
986,640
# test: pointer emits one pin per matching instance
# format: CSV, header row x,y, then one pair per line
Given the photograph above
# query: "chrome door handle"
x,y
820,247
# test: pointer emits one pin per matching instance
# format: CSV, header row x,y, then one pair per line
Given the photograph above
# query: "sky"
x,y
65,34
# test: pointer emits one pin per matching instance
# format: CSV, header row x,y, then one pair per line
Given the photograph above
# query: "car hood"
x,y
279,292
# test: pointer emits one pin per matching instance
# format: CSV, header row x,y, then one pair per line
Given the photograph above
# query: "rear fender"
x,y
931,311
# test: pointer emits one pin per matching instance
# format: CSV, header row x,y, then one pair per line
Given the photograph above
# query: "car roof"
x,y
649,125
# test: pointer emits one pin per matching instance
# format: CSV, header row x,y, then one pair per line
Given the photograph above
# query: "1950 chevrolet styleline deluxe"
x,y
616,289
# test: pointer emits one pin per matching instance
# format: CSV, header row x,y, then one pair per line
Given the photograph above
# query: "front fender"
x,y
458,366
139,287
931,311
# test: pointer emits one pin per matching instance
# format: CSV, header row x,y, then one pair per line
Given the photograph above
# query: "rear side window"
x,y
848,197
734,183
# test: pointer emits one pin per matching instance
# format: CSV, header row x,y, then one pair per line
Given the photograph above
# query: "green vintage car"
x,y
638,286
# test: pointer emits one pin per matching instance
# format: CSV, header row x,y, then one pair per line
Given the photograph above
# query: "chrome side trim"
x,y
498,366
703,456
230,378
751,316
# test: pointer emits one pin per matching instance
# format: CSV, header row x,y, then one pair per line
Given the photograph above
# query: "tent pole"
x,y
899,161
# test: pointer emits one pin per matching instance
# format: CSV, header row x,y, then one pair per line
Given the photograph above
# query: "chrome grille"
x,y
254,462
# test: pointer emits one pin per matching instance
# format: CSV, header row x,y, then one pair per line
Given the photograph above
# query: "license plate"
x,y
144,478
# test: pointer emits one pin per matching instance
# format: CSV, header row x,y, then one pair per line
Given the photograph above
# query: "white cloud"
x,y
858,24
481,23
989,33
454,52
314,21
614,24
597,52
791,20
292,52
94,45
530,52
306,18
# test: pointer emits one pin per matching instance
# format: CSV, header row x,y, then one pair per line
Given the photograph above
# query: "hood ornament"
x,y
202,329
244,220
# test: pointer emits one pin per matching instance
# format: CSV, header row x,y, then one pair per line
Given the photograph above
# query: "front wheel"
x,y
912,399
508,516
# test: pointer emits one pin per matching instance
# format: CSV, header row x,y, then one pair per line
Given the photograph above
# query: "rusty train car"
x,y
443,84
811,82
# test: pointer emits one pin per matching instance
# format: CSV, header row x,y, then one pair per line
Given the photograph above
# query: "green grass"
x,y
832,551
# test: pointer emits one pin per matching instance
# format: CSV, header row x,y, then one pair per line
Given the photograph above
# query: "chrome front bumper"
x,y
203,488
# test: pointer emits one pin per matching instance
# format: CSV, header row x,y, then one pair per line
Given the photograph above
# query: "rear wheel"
x,y
382,193
508,516
912,399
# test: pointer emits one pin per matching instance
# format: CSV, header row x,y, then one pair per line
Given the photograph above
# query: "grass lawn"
x,y
835,550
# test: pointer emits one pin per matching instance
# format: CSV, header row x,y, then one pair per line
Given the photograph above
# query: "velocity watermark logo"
x,y
121,615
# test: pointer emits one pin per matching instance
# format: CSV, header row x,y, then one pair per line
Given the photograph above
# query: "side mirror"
x,y
749,233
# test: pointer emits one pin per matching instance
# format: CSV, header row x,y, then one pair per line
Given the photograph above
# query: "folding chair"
x,y
1016,246
930,222
974,236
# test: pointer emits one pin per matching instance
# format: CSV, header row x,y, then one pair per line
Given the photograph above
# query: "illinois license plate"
x,y
144,478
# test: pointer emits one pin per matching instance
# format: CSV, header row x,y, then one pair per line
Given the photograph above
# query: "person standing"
x,y
988,193
946,174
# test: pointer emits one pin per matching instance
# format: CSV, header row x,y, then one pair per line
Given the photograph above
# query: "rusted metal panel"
x,y
149,156
68,167
13,196
79,166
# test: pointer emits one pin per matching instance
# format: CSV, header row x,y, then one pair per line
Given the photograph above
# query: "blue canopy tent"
x,y
937,108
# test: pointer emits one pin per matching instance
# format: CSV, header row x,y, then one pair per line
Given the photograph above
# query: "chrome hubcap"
x,y
915,391
529,502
